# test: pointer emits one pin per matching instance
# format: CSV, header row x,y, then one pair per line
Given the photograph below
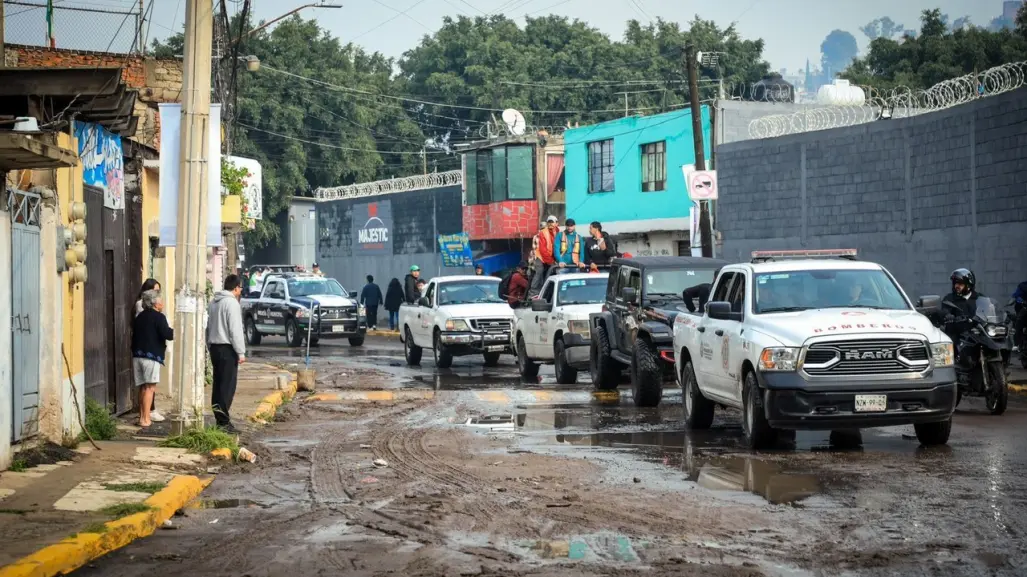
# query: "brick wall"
x,y
500,220
921,195
156,80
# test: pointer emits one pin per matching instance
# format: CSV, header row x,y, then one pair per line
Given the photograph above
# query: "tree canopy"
x,y
939,52
837,51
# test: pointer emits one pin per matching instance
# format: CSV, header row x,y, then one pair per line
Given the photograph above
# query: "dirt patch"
x,y
46,454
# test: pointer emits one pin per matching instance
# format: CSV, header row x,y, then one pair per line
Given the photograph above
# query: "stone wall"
x,y
921,195
156,80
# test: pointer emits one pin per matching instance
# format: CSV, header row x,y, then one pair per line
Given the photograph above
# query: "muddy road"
x,y
391,470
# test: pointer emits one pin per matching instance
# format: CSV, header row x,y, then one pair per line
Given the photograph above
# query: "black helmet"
x,y
965,277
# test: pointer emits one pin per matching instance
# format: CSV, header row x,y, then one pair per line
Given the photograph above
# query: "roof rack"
x,y
772,255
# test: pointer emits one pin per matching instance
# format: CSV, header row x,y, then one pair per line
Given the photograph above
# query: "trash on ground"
x,y
247,455
369,480
380,463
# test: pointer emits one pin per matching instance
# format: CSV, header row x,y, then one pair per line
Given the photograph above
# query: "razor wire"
x,y
390,186
900,102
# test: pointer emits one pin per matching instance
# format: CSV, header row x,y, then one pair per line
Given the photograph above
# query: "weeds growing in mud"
x,y
18,466
125,509
69,441
102,426
96,527
150,488
203,441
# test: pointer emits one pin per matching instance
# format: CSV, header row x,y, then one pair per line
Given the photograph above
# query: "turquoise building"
x,y
627,174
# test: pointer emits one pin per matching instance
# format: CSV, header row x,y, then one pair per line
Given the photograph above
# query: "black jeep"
x,y
635,330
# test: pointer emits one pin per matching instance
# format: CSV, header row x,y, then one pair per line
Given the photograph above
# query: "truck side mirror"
x,y
539,305
424,302
630,295
721,311
928,305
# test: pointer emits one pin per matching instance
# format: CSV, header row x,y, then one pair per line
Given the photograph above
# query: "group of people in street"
x,y
225,341
554,250
371,297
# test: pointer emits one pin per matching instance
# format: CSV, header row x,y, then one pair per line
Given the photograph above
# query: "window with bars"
x,y
654,166
600,166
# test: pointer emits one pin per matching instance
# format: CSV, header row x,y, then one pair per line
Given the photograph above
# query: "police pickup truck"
x,y
814,340
554,328
290,302
457,316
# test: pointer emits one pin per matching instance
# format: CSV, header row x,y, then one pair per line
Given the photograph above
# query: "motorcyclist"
x,y
1020,307
964,295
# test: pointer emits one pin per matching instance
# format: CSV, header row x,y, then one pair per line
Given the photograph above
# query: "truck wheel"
x,y
698,409
758,432
314,340
646,376
252,335
998,395
528,368
413,352
565,374
605,371
930,434
491,359
443,358
356,341
293,335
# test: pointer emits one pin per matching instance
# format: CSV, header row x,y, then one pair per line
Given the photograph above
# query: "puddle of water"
x,y
592,548
226,504
492,422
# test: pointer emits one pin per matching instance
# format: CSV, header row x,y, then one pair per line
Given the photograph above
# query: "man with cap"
x,y
316,270
543,258
569,248
479,270
410,285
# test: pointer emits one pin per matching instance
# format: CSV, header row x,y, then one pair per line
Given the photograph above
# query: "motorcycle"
x,y
981,355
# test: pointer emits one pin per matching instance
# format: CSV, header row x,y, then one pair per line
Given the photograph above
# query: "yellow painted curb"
x,y
74,552
269,405
399,395
1018,389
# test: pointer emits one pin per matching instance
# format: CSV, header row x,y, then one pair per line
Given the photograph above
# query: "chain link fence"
x,y
73,27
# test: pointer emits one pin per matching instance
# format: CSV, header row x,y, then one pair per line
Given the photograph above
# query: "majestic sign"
x,y
253,191
372,228
103,162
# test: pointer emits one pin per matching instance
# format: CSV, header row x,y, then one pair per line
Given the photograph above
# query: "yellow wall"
x,y
162,267
69,189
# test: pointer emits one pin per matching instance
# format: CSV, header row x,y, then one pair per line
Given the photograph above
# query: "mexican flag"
x,y
49,24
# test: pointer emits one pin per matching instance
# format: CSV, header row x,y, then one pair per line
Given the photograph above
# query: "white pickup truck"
x,y
457,316
554,328
824,342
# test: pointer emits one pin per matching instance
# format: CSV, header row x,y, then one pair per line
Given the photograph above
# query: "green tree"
x,y
883,27
936,54
837,51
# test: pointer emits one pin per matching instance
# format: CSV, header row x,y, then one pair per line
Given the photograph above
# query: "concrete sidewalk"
x,y
66,507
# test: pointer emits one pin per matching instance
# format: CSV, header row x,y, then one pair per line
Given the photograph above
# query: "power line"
x,y
362,34
409,17
328,145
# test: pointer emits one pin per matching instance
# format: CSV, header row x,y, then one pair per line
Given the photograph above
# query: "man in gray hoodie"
x,y
227,348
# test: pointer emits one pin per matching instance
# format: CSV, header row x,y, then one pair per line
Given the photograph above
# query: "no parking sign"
x,y
702,184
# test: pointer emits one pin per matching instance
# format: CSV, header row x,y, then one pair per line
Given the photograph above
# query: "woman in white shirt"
x,y
149,284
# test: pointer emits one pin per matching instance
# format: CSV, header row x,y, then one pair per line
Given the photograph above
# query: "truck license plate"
x,y
494,349
338,329
871,403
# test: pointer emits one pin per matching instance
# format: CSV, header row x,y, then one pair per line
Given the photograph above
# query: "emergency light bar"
x,y
766,255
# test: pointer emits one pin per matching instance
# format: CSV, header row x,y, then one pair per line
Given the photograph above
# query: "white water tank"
x,y
841,93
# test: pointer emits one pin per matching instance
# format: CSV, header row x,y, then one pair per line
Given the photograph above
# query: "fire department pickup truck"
x,y
554,329
457,316
815,340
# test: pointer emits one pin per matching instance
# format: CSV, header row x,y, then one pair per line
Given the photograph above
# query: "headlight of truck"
x,y
302,313
456,325
779,359
579,328
943,354
361,311
996,331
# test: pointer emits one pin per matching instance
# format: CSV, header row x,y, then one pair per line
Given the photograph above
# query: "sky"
x,y
792,29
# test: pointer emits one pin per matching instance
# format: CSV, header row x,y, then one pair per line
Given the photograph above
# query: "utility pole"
x,y
140,40
3,46
705,228
191,238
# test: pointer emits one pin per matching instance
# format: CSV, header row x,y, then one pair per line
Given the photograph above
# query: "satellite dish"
x,y
514,121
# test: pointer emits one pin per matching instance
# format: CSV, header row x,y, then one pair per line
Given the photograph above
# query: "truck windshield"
x,y
672,282
582,291
825,289
462,292
316,286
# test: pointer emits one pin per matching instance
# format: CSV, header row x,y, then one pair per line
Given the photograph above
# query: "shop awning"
x,y
20,151
498,261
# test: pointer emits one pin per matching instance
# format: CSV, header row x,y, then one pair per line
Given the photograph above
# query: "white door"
x,y
541,346
424,317
711,336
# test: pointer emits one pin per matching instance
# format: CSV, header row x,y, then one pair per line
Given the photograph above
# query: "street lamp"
x,y
252,62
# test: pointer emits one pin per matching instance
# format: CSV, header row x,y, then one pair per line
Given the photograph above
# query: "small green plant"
x,y
18,465
102,426
203,441
124,509
69,441
16,511
96,527
150,488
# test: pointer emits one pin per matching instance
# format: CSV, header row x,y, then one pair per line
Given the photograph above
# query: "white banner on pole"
x,y
253,186
170,154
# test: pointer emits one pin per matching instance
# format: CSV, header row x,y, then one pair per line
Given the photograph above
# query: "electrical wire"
x,y
362,34
408,16
328,145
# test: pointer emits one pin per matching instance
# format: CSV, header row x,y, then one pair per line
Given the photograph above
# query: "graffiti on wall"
x,y
103,162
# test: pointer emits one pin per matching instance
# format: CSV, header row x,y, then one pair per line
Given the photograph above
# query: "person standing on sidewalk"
x,y
150,284
393,300
150,336
227,348
371,298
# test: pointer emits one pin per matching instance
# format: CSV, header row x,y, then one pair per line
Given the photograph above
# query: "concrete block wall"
x,y
734,116
921,195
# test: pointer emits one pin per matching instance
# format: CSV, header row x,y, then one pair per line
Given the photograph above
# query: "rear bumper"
x,y
928,400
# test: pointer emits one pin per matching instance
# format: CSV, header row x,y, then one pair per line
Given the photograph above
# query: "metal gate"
x,y
26,257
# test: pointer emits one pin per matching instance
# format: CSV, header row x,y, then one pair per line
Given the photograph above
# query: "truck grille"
x,y
338,313
491,325
866,357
